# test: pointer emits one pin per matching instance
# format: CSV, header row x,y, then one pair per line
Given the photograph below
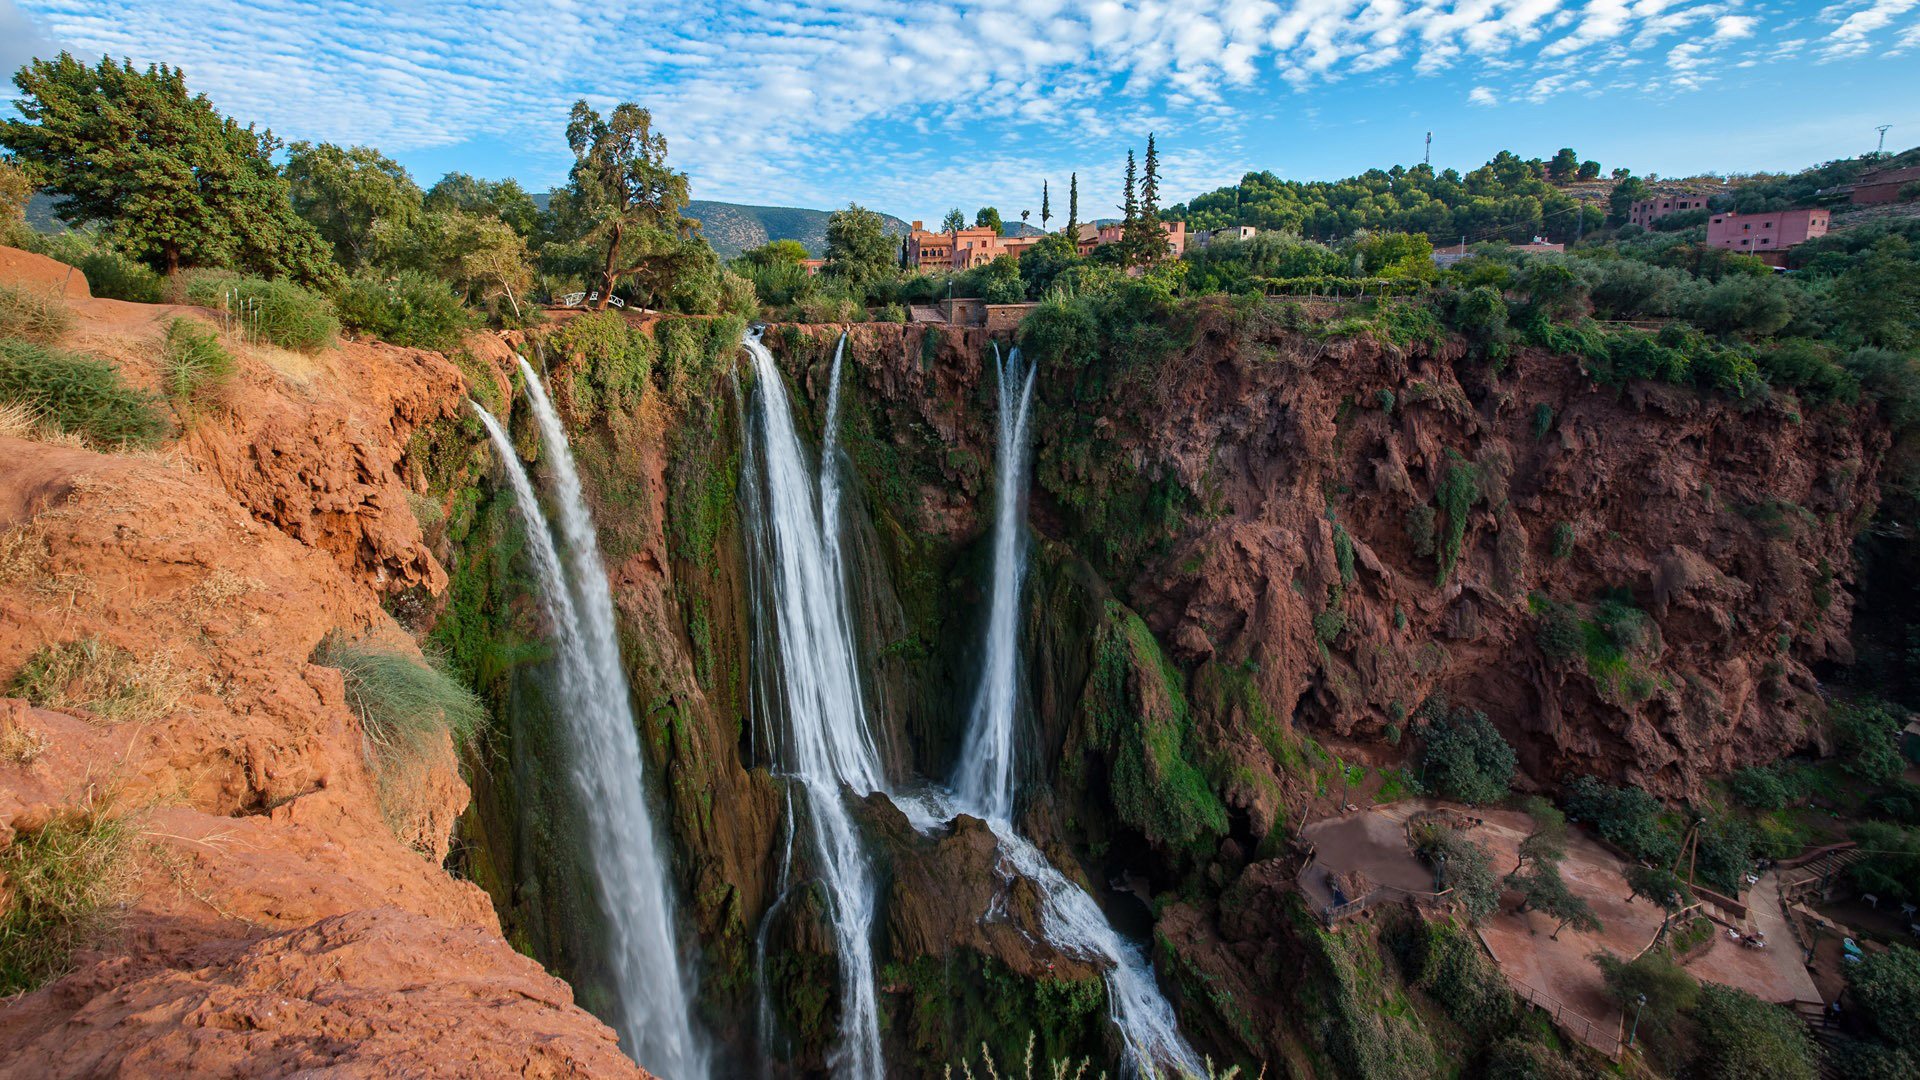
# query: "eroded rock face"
x,y
285,913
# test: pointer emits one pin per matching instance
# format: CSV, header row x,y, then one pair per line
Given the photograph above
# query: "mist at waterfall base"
x,y
795,519
652,989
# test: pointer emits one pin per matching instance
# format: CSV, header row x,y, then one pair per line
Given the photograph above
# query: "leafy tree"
x,y
174,184
1626,192
1150,183
1669,990
1589,170
1465,756
624,197
1041,264
362,202
988,217
15,192
1740,304
1463,866
1542,887
1659,885
1878,299
1891,866
504,199
1548,840
1627,816
1564,164
775,253
1885,989
1865,731
1736,1036
955,221
858,249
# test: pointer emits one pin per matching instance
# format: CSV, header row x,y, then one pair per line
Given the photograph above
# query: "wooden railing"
x,y
1602,1037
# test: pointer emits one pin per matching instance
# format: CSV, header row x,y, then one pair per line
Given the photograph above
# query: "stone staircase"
x,y
1811,880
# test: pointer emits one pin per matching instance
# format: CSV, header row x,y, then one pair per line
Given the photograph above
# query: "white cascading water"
x,y
984,779
653,991
984,784
829,747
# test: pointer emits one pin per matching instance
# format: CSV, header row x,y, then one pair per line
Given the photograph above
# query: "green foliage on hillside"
x,y
79,394
1136,708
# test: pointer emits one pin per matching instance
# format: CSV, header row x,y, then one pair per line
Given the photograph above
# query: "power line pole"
x,y
1881,150
1427,159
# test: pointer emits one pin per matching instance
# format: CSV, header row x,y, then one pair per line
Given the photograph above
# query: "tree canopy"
x,y
623,196
172,183
356,196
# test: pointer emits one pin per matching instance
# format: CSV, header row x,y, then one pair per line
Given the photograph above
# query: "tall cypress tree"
x,y
1073,206
1046,208
1139,231
1150,183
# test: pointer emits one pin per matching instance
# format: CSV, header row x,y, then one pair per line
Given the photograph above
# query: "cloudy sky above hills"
x,y
911,107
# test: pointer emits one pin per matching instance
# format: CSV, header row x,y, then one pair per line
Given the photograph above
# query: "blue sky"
x,y
914,107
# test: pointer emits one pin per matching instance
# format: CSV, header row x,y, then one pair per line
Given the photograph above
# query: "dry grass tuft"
x,y
22,745
102,679
65,882
41,317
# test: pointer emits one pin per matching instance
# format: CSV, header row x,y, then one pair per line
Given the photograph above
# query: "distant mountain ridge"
x,y
731,228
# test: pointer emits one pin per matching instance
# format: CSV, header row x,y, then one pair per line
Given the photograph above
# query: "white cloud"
x,y
811,91
1859,22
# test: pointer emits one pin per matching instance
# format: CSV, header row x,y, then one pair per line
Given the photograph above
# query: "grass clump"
x,y
279,312
403,701
193,362
107,681
38,317
64,880
81,395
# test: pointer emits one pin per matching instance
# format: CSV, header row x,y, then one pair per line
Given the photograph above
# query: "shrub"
x,y
1454,972
612,360
1627,816
82,395
276,311
1739,1037
36,316
1563,539
1465,756
63,881
411,309
1669,990
1891,868
101,678
1560,635
193,361
403,702
1886,994
1865,732
116,277
1760,788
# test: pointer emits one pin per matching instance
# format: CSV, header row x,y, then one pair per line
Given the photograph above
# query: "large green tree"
x,y
859,252
172,182
988,217
362,201
624,198
504,199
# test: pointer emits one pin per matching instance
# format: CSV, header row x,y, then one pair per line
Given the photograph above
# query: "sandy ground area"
x,y
1560,973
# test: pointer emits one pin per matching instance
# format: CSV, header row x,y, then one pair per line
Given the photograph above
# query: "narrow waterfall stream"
x,y
829,747
985,776
652,989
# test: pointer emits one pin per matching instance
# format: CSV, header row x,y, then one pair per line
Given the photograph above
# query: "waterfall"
x,y
985,777
652,990
984,783
828,746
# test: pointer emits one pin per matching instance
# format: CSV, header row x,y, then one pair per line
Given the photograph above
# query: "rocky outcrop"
x,y
282,912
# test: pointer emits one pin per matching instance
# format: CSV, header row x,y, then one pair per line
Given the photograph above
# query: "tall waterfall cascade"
x,y
984,782
652,989
828,747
